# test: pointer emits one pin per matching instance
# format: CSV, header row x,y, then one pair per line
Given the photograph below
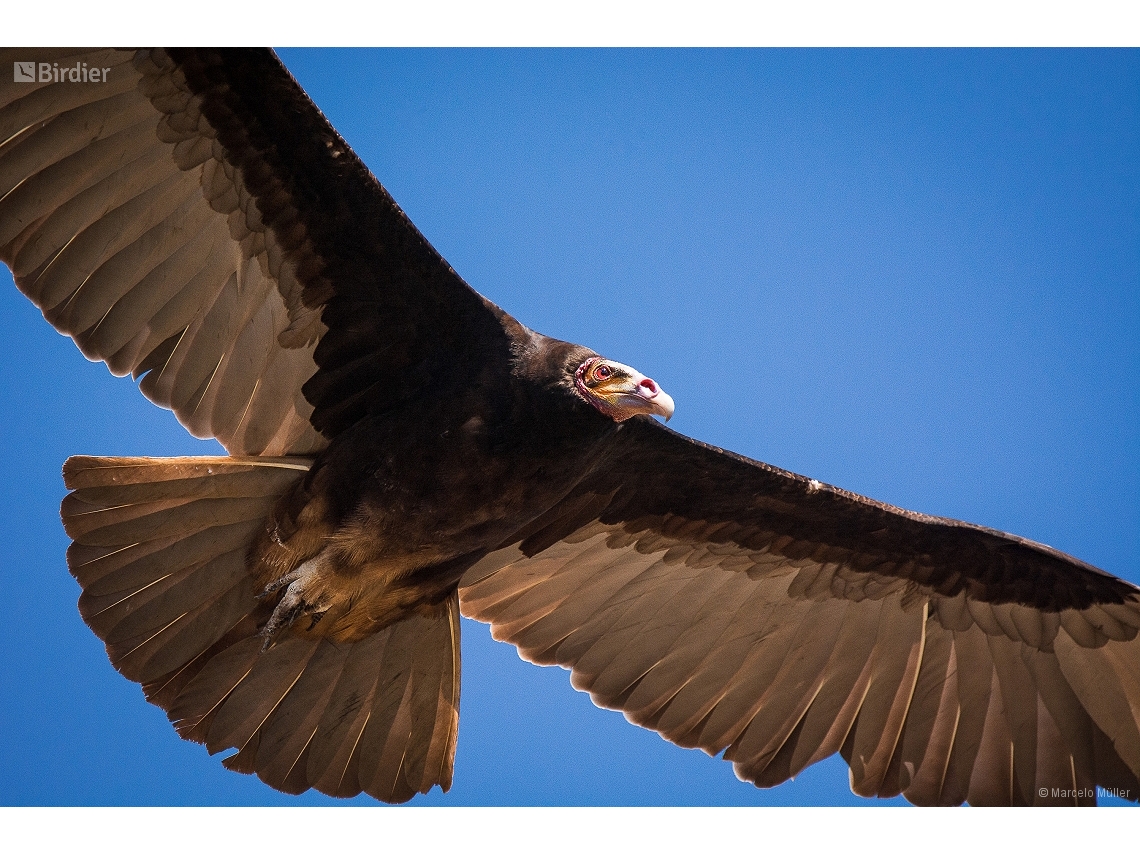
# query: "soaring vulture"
x,y
402,451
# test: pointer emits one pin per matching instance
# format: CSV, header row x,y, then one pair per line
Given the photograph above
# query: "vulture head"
x,y
618,391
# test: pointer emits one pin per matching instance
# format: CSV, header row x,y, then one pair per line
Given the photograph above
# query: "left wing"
x,y
738,608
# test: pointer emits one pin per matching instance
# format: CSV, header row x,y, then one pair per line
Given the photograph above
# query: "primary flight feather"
x,y
403,450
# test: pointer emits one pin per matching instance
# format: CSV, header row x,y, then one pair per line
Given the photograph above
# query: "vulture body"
x,y
402,450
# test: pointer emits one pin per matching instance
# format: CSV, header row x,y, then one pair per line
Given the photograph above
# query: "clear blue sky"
x,y
912,274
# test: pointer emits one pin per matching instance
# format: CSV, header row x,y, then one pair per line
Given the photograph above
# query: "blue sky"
x,y
913,274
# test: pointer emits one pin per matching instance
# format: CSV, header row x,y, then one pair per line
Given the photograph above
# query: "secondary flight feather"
x,y
403,450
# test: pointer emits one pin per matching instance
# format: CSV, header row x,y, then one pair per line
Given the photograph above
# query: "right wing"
x,y
195,220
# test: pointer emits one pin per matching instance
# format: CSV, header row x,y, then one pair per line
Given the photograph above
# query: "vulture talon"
x,y
275,586
293,603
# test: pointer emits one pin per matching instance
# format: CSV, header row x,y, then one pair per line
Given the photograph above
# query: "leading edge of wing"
x,y
656,481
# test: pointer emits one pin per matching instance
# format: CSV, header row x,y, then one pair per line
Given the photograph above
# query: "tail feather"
x,y
143,654
194,708
251,702
134,566
162,563
408,741
148,521
334,750
167,690
286,738
160,550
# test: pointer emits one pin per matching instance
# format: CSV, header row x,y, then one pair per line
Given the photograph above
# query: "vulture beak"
x,y
647,397
621,392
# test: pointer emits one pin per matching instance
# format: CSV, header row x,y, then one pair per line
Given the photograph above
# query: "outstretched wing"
x,y
194,220
738,608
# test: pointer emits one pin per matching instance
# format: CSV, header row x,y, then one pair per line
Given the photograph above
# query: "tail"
x,y
160,550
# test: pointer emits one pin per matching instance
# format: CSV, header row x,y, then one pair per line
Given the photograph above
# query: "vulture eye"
x,y
603,372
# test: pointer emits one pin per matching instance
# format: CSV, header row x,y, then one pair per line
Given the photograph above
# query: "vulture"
x,y
401,452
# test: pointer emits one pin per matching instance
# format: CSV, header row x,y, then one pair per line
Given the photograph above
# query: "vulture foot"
x,y
293,603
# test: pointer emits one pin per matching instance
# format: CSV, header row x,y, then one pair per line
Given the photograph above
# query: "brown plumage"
x,y
197,223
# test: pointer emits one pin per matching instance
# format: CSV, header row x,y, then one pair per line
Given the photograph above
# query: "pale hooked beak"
x,y
621,392
656,402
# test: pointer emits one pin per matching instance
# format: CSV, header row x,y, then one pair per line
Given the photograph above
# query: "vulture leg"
x,y
293,603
